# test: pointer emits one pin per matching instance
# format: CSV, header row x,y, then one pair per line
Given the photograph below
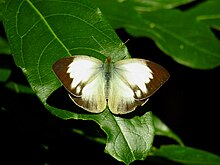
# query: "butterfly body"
x,y
122,86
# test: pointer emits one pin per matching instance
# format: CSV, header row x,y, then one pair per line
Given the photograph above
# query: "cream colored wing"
x,y
133,82
83,77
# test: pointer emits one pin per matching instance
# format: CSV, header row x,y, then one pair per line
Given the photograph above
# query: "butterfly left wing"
x,y
83,76
133,82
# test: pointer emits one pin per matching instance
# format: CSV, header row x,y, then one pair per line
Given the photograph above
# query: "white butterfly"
x,y
122,86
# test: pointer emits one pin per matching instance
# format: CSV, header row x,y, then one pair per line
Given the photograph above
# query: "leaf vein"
x,y
91,25
124,136
39,60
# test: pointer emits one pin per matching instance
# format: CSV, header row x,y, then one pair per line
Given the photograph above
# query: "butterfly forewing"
x,y
133,82
82,77
160,76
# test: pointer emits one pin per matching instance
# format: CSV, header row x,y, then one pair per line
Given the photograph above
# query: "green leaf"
x,y
4,47
162,129
180,35
41,32
132,140
19,88
2,3
4,74
148,6
54,32
187,155
101,140
208,13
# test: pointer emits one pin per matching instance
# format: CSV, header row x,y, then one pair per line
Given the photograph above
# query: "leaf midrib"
x,y
124,136
49,27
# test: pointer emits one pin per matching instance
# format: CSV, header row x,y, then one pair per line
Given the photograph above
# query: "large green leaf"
x,y
41,32
187,155
180,35
208,13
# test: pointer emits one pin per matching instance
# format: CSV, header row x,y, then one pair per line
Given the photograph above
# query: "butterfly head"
x,y
108,60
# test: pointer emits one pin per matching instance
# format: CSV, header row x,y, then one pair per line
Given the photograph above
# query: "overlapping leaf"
x,y
181,35
187,155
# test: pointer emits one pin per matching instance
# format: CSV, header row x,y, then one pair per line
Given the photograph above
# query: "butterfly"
x,y
122,86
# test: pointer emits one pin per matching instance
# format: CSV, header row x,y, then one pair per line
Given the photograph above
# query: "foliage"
x,y
41,32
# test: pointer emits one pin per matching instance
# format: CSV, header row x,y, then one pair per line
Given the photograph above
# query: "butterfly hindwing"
x,y
82,77
121,96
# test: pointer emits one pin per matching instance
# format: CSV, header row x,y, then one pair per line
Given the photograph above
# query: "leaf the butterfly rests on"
x,y
122,86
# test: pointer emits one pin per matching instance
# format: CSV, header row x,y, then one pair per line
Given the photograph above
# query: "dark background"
x,y
188,103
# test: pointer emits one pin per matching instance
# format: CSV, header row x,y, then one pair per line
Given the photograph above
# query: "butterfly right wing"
x,y
83,77
133,82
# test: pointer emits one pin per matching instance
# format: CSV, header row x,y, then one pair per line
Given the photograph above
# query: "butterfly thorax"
x,y
108,66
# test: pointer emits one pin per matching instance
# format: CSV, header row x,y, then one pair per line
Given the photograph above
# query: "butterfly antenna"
x,y
123,43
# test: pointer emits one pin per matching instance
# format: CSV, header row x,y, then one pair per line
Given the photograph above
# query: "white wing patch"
x,y
92,96
83,69
121,96
136,74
